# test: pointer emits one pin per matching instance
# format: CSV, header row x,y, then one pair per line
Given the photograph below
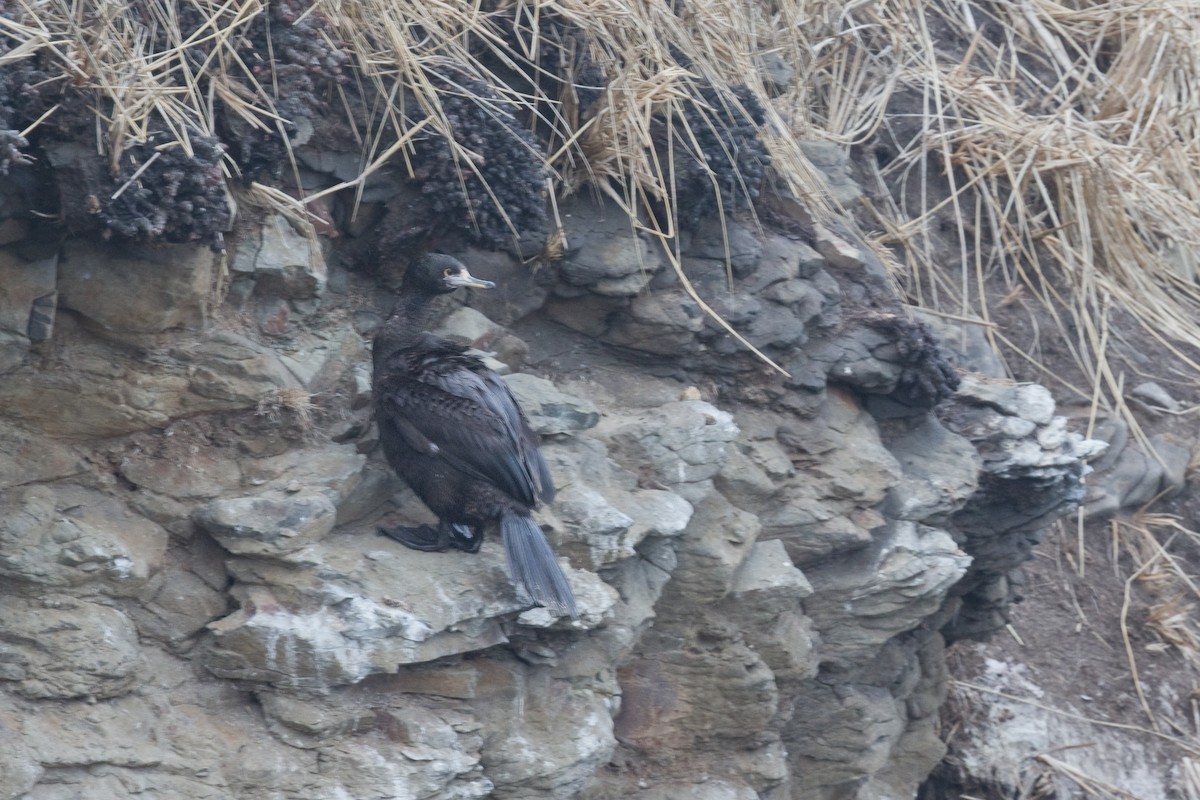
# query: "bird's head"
x,y
437,273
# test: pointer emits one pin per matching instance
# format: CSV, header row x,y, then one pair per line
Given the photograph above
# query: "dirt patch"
x,y
1100,601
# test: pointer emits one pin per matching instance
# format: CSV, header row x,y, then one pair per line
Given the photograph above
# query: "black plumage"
x,y
452,430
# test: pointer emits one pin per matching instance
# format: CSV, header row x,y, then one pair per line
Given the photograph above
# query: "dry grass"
x,y
290,403
1151,540
1064,134
1065,137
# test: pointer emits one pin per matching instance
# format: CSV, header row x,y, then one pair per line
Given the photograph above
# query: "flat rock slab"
x,y
358,604
269,523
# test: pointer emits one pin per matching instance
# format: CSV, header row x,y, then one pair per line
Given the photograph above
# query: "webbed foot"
x,y
448,536
422,538
464,537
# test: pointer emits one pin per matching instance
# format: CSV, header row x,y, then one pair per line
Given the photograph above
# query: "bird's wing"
x,y
489,389
459,413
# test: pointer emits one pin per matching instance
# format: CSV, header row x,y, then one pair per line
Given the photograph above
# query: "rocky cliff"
x,y
769,563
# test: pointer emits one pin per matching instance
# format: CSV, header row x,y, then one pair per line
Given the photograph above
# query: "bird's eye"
x,y
446,273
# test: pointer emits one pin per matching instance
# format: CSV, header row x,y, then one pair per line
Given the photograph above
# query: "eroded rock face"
x,y
59,647
198,605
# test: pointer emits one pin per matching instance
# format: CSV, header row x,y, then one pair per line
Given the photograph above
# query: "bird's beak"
x,y
467,280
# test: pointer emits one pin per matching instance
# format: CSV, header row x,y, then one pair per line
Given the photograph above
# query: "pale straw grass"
x,y
1072,128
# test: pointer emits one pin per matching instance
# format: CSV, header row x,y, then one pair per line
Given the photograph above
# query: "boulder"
x,y
136,289
283,262
269,523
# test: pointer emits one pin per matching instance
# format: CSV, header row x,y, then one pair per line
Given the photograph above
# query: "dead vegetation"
x,y
1061,141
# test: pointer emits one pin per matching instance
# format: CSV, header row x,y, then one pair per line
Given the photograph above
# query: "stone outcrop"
x,y
767,566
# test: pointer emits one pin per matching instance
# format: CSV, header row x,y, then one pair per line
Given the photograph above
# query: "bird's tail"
x,y
532,565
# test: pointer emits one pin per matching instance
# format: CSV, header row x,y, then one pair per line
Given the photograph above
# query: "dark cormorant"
x,y
452,430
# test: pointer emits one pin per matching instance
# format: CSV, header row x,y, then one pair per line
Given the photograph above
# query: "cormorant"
x,y
452,430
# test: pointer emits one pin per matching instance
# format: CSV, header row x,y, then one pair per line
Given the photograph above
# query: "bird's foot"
x,y
448,536
464,537
422,538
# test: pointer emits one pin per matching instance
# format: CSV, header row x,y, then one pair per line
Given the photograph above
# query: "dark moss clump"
x,y
286,48
564,69
20,103
726,128
928,377
177,198
505,161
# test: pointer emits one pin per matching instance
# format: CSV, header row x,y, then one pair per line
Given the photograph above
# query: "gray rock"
x,y
833,161
268,524
1134,477
332,469
27,457
862,602
549,410
838,252
744,482
27,303
731,243
689,695
519,285
313,716
587,516
558,765
774,460
939,472
846,733
813,531
655,513
765,605
176,605
66,536
60,647
1043,467
355,605
135,289
604,246
1026,401
701,789
768,570
742,311
777,326
661,322
966,345
284,263
718,539
625,286
318,362
231,370
470,326
207,472
376,485
1155,395
1008,733
19,770
776,71
13,347
422,763
588,313
114,734
678,443
843,470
